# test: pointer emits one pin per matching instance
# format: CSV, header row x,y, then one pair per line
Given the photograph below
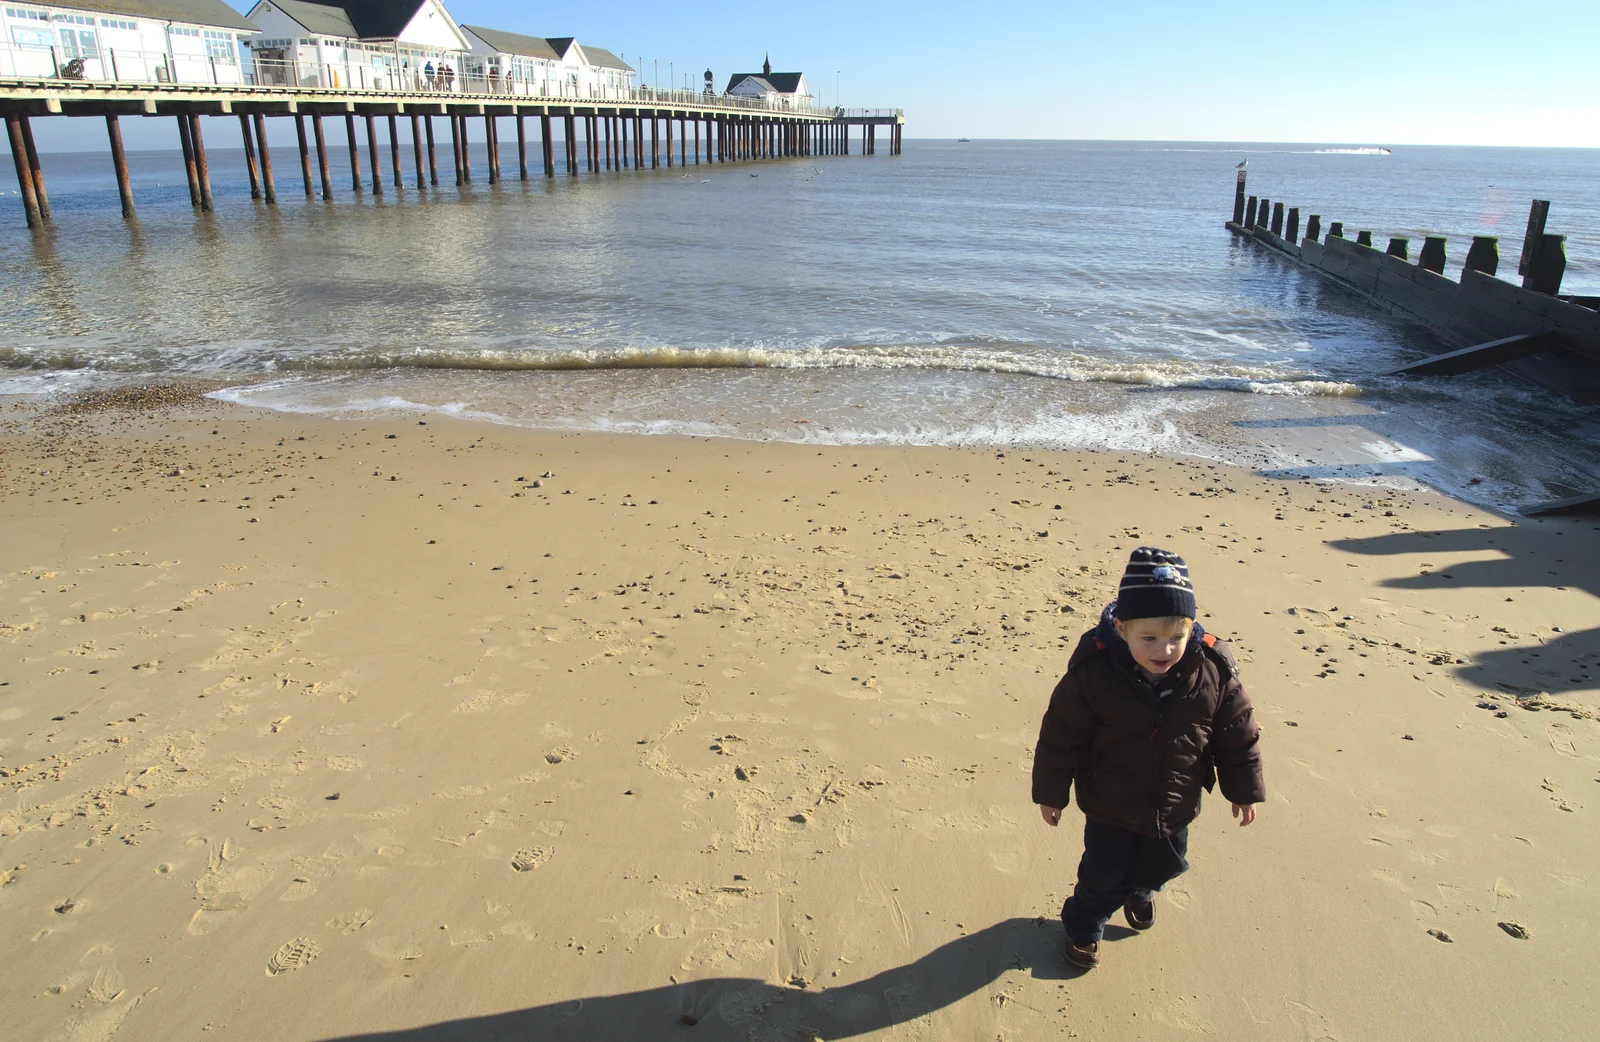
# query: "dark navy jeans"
x,y
1118,865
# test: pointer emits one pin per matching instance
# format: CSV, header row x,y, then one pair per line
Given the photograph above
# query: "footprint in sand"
x,y
293,955
350,922
217,913
530,858
1561,739
1178,897
299,889
346,763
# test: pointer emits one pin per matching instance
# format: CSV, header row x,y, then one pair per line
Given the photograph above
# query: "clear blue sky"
x,y
1389,72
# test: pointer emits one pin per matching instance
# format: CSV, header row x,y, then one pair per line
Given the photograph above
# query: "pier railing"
x,y
53,68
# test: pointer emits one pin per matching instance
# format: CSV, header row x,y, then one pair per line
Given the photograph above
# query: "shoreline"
x,y
367,732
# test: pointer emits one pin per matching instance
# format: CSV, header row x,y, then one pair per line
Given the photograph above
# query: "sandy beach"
x,y
320,729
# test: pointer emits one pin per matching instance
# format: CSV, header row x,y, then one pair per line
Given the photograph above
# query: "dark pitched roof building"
x,y
190,12
767,81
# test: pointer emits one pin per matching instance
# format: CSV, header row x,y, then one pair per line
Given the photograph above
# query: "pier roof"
x,y
514,43
779,82
602,58
322,19
371,19
190,12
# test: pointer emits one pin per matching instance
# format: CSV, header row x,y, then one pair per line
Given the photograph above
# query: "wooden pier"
x,y
1531,329
617,133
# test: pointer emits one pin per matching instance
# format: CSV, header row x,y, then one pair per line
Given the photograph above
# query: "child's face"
x,y
1156,644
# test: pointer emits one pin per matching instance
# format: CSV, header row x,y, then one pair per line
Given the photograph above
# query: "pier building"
x,y
124,41
773,89
359,44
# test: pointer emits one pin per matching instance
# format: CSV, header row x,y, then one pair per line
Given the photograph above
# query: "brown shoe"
x,y
1141,915
1083,956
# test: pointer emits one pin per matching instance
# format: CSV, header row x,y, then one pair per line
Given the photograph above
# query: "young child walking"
x,y
1150,710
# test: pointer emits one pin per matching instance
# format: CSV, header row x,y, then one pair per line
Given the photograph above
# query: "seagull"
x,y
1242,165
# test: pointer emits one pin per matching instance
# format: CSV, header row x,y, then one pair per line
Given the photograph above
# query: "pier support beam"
x,y
433,153
201,168
250,155
547,146
492,148
19,154
466,149
324,171
416,146
187,144
522,147
570,125
655,141
455,148
697,142
119,163
372,154
305,153
37,170
355,151
269,186
394,150
606,130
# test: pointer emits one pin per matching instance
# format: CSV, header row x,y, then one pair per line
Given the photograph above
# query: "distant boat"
x,y
963,140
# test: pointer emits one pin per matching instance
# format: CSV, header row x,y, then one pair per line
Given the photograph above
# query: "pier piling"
x,y
466,149
119,163
455,147
355,151
323,168
655,141
522,148
491,149
19,154
37,170
305,153
269,186
187,144
372,154
250,155
394,150
606,131
697,141
1483,255
201,168
547,146
433,153
570,126
416,147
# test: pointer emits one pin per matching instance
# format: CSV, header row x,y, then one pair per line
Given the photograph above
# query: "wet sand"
x,y
317,729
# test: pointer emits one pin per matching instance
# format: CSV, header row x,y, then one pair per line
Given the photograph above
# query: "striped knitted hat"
x,y
1155,585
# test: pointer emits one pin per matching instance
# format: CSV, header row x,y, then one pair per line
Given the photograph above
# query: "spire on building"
x,y
766,66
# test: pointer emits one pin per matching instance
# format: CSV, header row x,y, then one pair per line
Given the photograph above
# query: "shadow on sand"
x,y
727,1008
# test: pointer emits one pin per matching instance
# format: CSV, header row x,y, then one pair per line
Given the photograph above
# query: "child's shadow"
x,y
728,1008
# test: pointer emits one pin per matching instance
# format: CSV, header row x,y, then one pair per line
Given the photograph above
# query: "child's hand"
x,y
1245,812
1051,815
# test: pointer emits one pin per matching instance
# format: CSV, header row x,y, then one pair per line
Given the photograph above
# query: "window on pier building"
x,y
117,23
78,43
220,46
24,37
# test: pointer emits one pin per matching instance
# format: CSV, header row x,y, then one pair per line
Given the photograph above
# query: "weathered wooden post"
x,y
683,140
466,149
394,149
119,163
433,153
1364,239
1314,227
250,156
491,149
355,151
201,168
1250,213
1483,255
1549,264
323,169
416,147
305,152
1264,213
1292,225
655,141
696,122
19,155
547,145
668,124
1336,230
1530,242
455,148
1432,256
1238,197
571,127
1277,219
268,184
35,169
1398,247
522,148
638,141
372,153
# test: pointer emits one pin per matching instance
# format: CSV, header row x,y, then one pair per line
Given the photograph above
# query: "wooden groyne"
x,y
1529,327
616,134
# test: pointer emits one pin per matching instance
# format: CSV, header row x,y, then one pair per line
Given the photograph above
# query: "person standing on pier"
x,y
427,76
1150,710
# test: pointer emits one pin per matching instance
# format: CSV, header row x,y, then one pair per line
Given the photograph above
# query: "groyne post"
x,y
1277,218
19,155
1238,198
1292,228
1314,227
305,153
250,155
1364,238
1549,264
1530,242
1336,230
355,151
1432,256
1483,255
35,169
394,149
1250,213
522,148
547,146
1398,247
324,171
433,153
372,153
269,186
119,163
201,168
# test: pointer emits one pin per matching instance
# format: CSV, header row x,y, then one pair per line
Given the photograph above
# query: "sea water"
x,y
991,293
